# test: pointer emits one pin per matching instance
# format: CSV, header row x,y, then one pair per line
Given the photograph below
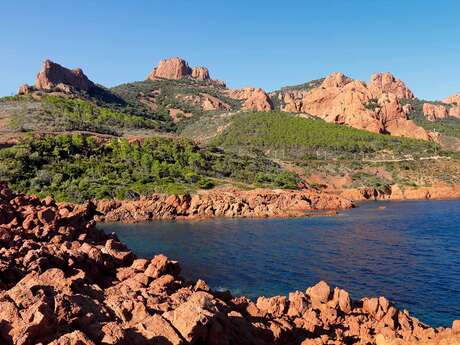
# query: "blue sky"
x,y
259,43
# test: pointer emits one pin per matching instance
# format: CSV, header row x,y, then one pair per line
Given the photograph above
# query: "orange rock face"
x,y
54,75
221,203
434,112
176,68
374,107
454,99
255,99
200,73
386,83
258,101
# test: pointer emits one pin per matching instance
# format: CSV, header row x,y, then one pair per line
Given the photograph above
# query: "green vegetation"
x,y
288,137
77,167
449,126
164,94
74,114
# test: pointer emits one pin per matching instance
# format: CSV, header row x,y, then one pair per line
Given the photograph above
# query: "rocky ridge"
x,y
63,281
374,107
56,77
232,203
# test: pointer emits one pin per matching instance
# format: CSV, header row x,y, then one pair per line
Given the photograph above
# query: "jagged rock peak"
x,y
388,83
336,79
53,75
176,68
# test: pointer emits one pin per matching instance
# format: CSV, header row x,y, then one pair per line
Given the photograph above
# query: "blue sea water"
x,y
407,251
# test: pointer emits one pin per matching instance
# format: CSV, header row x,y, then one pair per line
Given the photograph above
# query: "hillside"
x,y
339,157
79,167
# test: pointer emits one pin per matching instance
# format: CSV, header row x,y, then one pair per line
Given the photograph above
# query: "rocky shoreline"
x,y
257,203
397,193
63,281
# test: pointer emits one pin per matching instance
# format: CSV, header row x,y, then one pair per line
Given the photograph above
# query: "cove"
x,y
407,251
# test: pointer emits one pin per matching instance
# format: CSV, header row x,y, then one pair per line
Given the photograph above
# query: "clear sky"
x,y
244,42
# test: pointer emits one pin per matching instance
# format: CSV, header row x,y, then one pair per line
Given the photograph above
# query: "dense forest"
x,y
78,167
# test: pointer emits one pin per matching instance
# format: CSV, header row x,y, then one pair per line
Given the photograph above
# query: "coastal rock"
x,y
434,112
222,203
54,76
76,285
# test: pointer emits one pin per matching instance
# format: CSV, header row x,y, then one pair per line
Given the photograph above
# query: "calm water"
x,y
409,252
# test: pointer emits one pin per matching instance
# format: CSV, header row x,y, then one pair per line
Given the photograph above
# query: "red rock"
x,y
455,99
275,306
24,89
387,83
54,75
319,293
200,73
434,112
258,101
73,338
160,265
156,330
193,317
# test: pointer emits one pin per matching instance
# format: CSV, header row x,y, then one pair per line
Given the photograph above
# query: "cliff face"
x,y
62,281
176,68
52,75
374,107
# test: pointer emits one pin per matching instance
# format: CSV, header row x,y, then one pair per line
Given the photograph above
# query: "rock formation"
x,y
54,76
434,112
454,99
375,107
200,73
386,83
176,68
63,281
256,203
255,99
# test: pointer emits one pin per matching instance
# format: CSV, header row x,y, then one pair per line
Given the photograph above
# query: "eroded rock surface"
x,y
256,203
63,281
54,76
176,68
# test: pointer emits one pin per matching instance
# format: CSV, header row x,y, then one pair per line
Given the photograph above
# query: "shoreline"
x,y
76,284
258,203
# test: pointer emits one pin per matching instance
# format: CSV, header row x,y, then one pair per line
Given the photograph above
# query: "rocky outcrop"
x,y
434,112
231,203
255,99
176,68
455,112
54,76
200,73
258,101
386,83
396,192
374,107
454,99
256,203
63,281
24,89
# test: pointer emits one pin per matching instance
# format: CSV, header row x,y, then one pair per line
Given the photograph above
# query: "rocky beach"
x,y
63,281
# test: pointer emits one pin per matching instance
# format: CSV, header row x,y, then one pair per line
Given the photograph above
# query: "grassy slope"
x,y
315,147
